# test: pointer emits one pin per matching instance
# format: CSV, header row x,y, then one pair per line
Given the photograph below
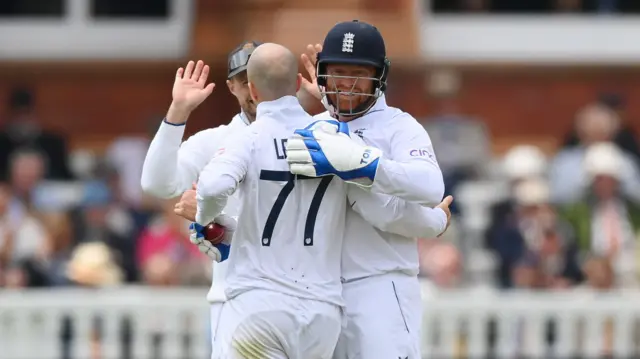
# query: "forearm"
x,y
394,215
212,196
415,182
427,223
160,174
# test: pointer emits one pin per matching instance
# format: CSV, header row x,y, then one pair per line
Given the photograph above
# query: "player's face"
x,y
352,82
239,87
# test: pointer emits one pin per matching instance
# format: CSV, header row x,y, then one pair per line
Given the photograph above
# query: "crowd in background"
x,y
73,218
568,219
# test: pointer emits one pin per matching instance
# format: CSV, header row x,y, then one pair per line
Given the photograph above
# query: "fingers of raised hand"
x,y
312,52
204,74
188,71
197,72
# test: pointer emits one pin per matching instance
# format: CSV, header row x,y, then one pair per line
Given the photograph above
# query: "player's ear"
x,y
298,82
230,85
253,92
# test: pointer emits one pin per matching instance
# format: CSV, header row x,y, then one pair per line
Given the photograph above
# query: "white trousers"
x,y
384,316
266,324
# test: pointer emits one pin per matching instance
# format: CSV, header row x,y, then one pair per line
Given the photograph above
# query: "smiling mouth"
x,y
348,93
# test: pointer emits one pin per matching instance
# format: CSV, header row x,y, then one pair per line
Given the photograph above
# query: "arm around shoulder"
x,y
395,215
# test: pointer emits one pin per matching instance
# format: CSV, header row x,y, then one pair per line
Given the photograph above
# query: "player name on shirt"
x,y
280,147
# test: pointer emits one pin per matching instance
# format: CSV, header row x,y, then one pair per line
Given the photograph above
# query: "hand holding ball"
x,y
214,233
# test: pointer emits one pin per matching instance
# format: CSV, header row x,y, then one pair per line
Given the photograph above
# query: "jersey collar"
x,y
244,118
379,106
286,104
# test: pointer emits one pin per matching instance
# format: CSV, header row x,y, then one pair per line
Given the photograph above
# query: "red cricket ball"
x,y
214,233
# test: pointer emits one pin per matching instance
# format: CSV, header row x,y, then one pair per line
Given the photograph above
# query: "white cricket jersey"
x,y
172,166
409,171
290,230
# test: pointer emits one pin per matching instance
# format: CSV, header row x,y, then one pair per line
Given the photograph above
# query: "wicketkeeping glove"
x,y
326,148
217,252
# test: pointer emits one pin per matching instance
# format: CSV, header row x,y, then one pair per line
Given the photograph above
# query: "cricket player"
x,y
283,280
379,269
283,285
172,166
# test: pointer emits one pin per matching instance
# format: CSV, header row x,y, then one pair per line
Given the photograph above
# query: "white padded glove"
x,y
326,148
218,252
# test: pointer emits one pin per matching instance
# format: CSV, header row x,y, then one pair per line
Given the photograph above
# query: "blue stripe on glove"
x,y
205,246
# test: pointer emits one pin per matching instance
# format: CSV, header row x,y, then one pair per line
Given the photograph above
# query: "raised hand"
x,y
309,62
189,90
309,94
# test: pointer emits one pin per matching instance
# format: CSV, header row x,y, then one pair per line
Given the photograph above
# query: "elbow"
x,y
216,188
207,192
436,194
433,192
156,189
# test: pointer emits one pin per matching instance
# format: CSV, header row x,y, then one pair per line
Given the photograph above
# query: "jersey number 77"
x,y
288,177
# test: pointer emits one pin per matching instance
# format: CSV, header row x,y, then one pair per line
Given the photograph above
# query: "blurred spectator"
x,y
594,124
26,171
126,154
166,240
92,265
625,137
606,221
126,216
22,237
21,129
519,164
598,273
159,271
100,219
533,245
59,245
460,141
440,263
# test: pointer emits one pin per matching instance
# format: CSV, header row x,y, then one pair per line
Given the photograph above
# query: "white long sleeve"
x,y
410,169
222,175
171,167
395,215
